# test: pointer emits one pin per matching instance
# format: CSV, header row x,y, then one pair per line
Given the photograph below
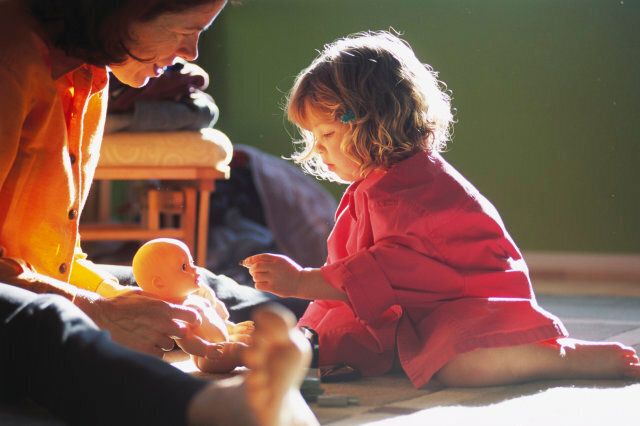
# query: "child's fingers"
x,y
258,258
260,276
261,268
251,261
264,286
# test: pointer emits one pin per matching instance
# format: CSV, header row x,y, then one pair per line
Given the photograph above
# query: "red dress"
x,y
430,272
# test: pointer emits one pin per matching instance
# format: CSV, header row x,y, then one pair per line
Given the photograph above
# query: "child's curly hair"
x,y
400,106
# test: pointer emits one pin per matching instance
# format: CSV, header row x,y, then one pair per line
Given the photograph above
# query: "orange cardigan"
x,y
50,135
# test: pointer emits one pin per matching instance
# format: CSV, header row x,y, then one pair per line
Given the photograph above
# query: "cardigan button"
x,y
73,213
62,268
72,157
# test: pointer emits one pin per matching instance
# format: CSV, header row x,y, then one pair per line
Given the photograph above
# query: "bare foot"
x,y
225,360
564,359
598,360
278,359
269,395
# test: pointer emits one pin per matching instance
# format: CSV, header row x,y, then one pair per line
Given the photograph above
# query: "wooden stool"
x,y
191,161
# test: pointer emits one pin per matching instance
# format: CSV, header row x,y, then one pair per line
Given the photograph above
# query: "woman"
x,y
53,78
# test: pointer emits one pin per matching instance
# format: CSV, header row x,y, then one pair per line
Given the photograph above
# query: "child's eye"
x,y
184,267
327,135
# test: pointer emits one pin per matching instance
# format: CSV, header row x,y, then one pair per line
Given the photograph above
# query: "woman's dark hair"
x,y
98,32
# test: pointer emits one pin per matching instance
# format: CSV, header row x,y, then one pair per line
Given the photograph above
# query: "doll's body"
x,y
164,269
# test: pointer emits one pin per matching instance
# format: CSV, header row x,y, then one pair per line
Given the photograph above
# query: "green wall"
x,y
547,94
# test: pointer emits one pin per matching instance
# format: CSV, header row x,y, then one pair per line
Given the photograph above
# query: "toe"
x,y
633,370
274,321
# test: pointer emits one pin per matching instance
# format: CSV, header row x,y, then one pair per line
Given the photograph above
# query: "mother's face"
x,y
159,42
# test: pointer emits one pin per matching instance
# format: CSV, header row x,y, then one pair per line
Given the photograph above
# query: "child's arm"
x,y
280,275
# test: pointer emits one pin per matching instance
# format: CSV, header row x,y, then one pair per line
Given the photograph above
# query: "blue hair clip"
x,y
348,116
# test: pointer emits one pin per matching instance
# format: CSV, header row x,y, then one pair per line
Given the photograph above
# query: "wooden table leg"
x,y
205,187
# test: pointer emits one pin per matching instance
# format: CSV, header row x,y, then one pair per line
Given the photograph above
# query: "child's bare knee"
x,y
455,374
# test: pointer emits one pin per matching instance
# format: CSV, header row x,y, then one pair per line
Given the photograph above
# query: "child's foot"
x,y
563,359
598,360
278,358
227,358
269,396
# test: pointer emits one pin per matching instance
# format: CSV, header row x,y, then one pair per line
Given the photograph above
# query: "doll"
x,y
164,269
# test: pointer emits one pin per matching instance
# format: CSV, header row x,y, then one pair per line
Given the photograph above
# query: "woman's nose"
x,y
188,49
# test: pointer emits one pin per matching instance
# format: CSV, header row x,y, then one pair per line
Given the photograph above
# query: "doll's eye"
x,y
184,267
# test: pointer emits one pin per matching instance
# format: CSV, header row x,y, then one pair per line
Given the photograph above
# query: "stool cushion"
x,y
205,148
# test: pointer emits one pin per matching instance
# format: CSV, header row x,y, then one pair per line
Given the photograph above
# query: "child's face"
x,y
329,134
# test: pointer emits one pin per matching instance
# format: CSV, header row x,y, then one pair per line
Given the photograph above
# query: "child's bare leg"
x,y
270,393
279,358
566,359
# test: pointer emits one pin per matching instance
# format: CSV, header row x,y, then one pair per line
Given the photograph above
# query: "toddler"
x,y
421,269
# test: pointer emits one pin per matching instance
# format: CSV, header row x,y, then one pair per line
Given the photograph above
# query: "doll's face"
x,y
165,268
180,271
156,44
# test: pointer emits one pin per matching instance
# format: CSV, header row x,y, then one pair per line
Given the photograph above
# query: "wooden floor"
x,y
390,400
590,310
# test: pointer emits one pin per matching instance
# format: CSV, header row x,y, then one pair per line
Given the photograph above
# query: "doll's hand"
x,y
245,327
197,346
274,273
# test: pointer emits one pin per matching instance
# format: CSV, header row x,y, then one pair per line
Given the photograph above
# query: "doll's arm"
x,y
207,293
245,327
213,327
197,346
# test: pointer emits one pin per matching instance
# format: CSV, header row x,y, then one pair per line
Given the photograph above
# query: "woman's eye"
x,y
189,33
327,135
184,267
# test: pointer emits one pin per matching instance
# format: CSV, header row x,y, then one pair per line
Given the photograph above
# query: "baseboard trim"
x,y
564,273
590,266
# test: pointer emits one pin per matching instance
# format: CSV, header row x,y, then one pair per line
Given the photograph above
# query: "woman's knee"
x,y
50,316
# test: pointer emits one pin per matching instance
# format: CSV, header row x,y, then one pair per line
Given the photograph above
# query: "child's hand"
x,y
274,273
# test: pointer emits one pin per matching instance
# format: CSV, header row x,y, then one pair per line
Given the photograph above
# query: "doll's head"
x,y
388,103
164,267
